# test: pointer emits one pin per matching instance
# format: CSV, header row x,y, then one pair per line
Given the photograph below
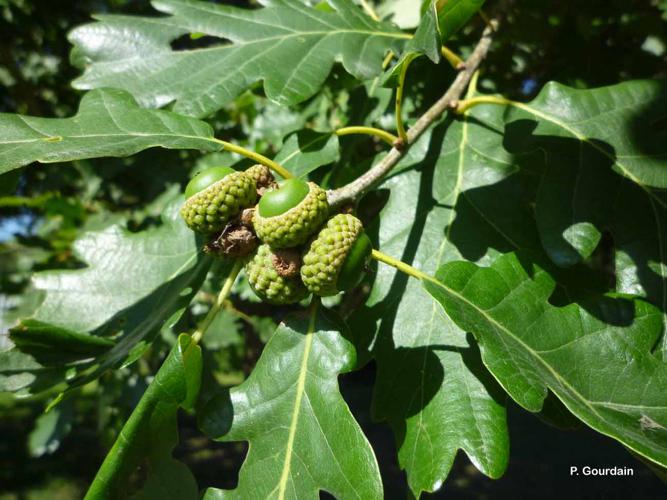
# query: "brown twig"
x,y
362,184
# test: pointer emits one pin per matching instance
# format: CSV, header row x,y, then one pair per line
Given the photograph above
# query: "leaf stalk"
x,y
452,58
279,169
401,266
390,55
465,104
219,302
387,137
400,128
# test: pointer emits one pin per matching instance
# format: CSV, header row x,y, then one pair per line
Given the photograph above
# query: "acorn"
x,y
336,259
274,277
215,196
286,217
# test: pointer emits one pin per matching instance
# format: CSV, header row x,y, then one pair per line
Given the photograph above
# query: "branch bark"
x,y
362,184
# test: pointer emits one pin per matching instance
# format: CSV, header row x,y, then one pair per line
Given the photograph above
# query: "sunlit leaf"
x,y
289,46
303,438
108,123
597,359
601,154
454,14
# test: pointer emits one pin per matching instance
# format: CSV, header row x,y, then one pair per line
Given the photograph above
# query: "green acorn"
x,y
287,216
274,276
215,196
337,257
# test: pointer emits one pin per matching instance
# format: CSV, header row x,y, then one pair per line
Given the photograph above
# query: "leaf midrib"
x,y
300,389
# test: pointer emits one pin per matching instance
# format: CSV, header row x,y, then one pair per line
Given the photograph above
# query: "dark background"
x,y
579,43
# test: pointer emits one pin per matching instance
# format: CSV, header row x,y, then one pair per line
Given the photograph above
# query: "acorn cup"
x,y
336,259
263,178
286,217
274,276
215,196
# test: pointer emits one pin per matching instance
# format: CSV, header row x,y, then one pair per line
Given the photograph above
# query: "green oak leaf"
x,y
597,360
290,46
427,38
20,370
307,150
431,385
54,345
620,123
454,14
151,433
108,123
303,438
473,202
108,312
583,140
425,42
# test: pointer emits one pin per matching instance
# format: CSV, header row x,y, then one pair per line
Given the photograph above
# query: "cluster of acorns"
x,y
302,249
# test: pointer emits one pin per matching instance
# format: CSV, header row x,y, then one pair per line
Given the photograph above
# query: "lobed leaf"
x,y
453,202
596,360
108,123
466,197
290,46
601,155
151,433
108,312
303,438
621,125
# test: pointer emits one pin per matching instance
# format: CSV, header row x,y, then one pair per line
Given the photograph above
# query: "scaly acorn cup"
x,y
286,217
263,178
266,280
336,258
215,196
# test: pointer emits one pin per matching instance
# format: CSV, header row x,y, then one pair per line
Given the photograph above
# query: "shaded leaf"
x,y
597,360
132,285
55,345
50,429
291,47
224,331
151,433
426,41
622,124
19,370
582,140
307,150
303,438
431,385
108,123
